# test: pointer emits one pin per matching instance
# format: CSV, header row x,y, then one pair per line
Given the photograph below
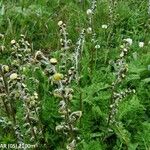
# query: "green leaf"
x,y
122,133
147,80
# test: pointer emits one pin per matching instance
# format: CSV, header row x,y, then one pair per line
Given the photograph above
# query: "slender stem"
x,y
92,61
81,105
111,102
33,132
67,118
8,97
41,128
10,110
6,107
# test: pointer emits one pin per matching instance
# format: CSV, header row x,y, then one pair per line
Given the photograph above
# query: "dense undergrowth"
x,y
75,74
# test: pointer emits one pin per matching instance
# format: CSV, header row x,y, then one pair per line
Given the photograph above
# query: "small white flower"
x,y
125,49
141,44
60,23
97,46
89,30
13,42
89,12
104,26
129,41
122,54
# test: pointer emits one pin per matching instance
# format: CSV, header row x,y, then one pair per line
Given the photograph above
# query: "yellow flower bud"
x,y
57,76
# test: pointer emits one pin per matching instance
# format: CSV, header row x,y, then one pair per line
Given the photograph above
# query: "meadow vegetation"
x,y
75,74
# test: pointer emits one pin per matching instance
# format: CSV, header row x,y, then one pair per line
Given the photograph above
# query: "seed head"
x,y
104,26
129,41
60,23
89,12
38,55
89,30
53,61
5,68
141,44
13,76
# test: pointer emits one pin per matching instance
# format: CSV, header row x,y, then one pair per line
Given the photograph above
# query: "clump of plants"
x,y
90,91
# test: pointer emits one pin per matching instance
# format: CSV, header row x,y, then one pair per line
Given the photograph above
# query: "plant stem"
x,y
8,97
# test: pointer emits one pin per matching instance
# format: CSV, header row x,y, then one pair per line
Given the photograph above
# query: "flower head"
x,y
129,41
13,76
89,12
89,30
141,44
104,26
5,68
60,23
13,42
57,76
53,61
